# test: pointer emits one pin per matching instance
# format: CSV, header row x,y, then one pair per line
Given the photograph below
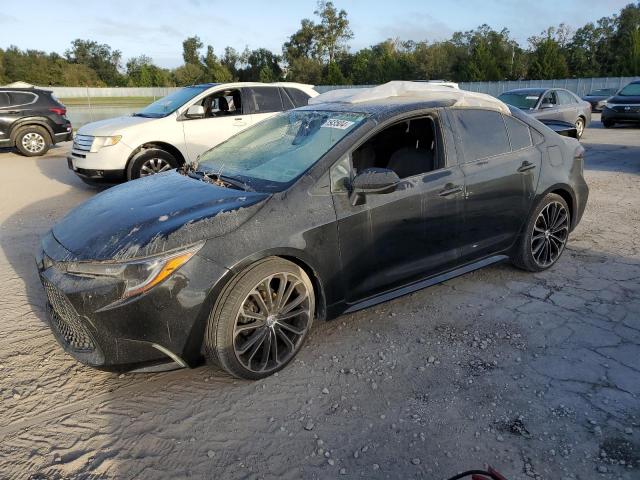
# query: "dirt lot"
x,y
538,375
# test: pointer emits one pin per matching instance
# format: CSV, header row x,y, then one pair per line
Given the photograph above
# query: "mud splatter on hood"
x,y
153,214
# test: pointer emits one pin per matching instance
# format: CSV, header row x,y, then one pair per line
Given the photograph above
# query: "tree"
x,y
99,57
333,33
188,74
547,58
191,50
260,65
214,71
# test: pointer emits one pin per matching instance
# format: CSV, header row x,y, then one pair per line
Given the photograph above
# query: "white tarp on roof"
x,y
19,84
411,91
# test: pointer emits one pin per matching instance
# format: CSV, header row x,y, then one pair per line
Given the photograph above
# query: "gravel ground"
x,y
536,374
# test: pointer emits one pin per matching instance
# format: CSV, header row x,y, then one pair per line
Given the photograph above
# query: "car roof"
x,y
28,90
379,109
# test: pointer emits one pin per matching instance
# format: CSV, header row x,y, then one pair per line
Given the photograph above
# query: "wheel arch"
x,y
169,148
28,122
302,260
567,194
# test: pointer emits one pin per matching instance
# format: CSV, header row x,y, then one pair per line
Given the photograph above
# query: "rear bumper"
x,y
63,136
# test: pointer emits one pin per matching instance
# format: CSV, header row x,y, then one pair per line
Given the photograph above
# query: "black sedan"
x,y
551,104
624,107
598,97
315,212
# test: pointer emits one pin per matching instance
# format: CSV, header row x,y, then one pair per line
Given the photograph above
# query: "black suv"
x,y
32,120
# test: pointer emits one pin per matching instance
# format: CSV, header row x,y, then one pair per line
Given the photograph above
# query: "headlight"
x,y
137,275
99,142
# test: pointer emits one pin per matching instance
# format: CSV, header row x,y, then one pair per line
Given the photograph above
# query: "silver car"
x,y
551,104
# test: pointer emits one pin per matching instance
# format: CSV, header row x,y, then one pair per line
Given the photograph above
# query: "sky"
x,y
157,27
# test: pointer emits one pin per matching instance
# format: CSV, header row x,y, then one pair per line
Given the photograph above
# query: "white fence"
x,y
92,92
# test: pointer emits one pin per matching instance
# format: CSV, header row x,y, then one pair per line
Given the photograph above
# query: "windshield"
x,y
170,103
602,91
275,152
522,100
631,90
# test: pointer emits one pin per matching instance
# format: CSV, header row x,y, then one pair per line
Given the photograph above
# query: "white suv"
x,y
177,128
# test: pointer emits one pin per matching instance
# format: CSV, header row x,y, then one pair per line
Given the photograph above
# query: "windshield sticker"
x,y
336,123
531,97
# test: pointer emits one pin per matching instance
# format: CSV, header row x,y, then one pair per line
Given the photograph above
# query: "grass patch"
x,y
107,101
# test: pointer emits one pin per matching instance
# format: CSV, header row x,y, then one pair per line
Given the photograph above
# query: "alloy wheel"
x,y
550,233
272,322
33,142
153,166
580,127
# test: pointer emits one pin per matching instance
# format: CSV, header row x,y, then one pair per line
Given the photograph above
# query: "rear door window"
x,y
565,98
300,99
519,133
4,99
287,103
482,133
265,99
17,99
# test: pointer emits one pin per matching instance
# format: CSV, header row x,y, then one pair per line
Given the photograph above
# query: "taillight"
x,y
59,110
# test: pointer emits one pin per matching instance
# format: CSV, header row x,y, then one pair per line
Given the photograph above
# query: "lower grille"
x,y
627,109
66,322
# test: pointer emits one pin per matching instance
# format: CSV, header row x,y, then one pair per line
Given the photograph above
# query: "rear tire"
x,y
608,123
545,235
149,162
261,319
33,141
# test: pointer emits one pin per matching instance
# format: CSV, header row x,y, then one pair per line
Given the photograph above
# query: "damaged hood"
x,y
154,214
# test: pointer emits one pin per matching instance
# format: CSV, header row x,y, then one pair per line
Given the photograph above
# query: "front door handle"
x,y
239,122
526,165
450,189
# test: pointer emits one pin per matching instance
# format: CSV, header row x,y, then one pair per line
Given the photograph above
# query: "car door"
x,y
217,124
395,238
501,170
568,106
552,108
17,104
6,117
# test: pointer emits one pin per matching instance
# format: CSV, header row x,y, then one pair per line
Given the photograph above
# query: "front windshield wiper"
x,y
218,179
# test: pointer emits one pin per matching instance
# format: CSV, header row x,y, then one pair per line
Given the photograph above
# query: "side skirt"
x,y
443,277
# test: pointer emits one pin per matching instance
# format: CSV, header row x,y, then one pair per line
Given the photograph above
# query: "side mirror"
x,y
195,111
546,105
373,181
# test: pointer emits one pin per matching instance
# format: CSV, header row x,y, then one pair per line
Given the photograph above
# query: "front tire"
x,y
261,319
545,235
580,123
33,141
149,162
608,123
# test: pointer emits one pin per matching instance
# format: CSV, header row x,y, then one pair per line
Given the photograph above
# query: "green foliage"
x,y
318,52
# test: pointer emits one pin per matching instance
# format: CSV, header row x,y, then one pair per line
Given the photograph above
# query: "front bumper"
x,y
95,175
92,323
631,115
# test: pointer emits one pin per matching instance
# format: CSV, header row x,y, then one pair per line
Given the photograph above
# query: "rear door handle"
x,y
450,189
526,165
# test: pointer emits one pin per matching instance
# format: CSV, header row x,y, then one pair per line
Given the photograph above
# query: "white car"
x,y
177,128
